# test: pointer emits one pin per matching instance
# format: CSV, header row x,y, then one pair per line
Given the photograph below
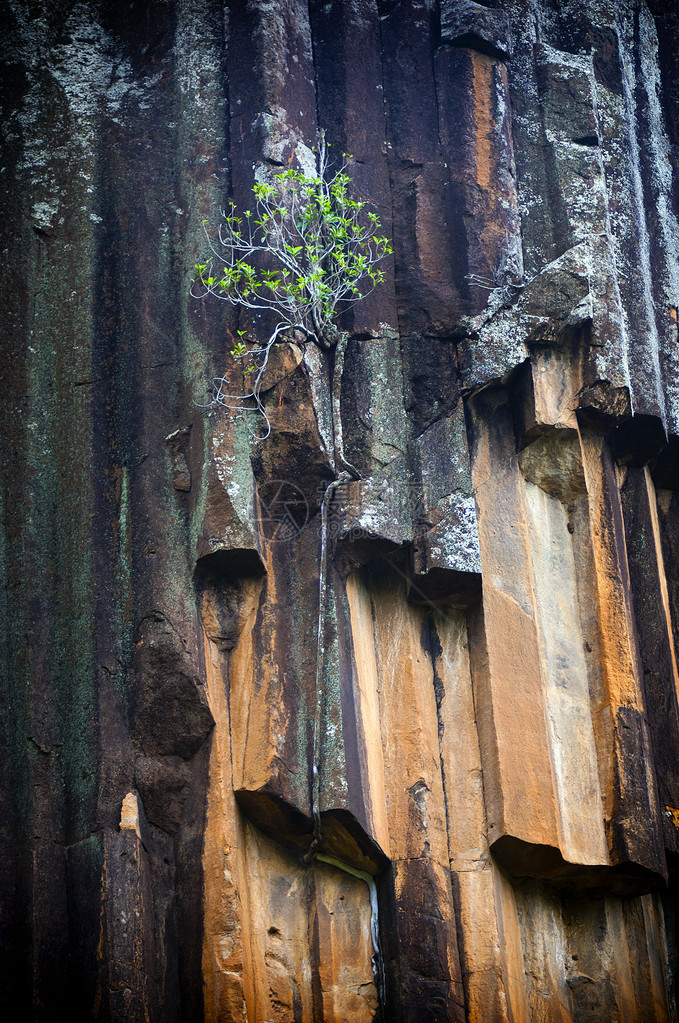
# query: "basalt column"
x,y
288,742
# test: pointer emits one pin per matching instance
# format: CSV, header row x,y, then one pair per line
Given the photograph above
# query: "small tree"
x,y
308,251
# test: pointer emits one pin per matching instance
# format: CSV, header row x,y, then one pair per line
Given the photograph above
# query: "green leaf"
x,y
331,238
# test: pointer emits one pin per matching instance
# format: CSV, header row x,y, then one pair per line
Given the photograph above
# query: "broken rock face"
x,y
285,745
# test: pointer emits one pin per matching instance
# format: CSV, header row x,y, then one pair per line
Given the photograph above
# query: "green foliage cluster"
x,y
323,247
306,251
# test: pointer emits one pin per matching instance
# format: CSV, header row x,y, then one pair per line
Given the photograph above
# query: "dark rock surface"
x,y
243,716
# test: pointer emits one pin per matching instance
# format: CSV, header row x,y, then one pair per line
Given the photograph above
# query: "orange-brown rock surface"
x,y
284,747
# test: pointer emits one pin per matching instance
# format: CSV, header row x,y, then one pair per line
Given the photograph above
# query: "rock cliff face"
x,y
402,750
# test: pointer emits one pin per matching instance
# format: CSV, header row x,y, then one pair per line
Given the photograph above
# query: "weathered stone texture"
x,y
405,748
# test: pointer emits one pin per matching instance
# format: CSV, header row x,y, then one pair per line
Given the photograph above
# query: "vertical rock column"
x,y
558,758
420,938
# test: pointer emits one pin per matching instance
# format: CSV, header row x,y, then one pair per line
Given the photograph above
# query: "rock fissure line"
x,y
320,664
348,472
337,372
